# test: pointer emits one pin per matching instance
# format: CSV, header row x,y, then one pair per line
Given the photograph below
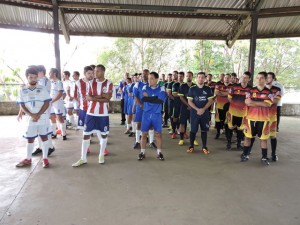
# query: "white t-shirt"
x,y
34,99
279,85
45,82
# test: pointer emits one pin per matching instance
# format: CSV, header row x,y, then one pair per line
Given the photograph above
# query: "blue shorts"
x,y
138,115
81,118
96,124
202,120
125,105
151,120
129,107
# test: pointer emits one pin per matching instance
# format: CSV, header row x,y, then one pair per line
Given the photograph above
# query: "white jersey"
x,y
279,85
34,99
66,85
97,89
56,88
45,82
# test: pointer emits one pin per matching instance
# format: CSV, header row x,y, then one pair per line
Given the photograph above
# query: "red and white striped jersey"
x,y
97,89
80,92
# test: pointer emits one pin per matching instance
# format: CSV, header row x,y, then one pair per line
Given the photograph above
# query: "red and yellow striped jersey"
x,y
237,94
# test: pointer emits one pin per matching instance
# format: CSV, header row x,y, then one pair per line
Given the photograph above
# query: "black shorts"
x,y
203,121
176,111
220,115
260,129
184,115
234,121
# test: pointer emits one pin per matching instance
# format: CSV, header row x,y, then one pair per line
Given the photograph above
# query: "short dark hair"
x,y
169,74
155,75
93,66
190,72
209,74
272,74
101,67
233,75
87,68
41,68
264,73
31,70
77,73
54,70
181,73
201,73
175,71
248,74
67,73
146,70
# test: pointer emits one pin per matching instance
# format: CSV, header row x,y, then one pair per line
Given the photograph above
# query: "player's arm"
x,y
266,103
175,90
58,96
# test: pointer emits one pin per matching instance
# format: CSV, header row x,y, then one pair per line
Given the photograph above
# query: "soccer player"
x,y
120,90
153,97
97,119
276,91
131,105
171,99
68,98
127,105
257,120
279,104
166,102
185,108
221,91
57,104
237,109
210,83
200,98
34,100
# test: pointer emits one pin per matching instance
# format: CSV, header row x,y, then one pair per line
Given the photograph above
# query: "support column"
x,y
251,64
56,36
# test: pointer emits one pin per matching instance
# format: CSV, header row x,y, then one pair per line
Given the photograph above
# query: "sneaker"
x,y
160,156
173,136
105,152
217,136
122,123
228,147
132,134
196,143
190,150
141,156
136,145
186,136
244,158
37,151
274,158
265,161
181,142
205,151
88,151
80,162
50,151
170,132
45,163
53,136
153,145
24,162
64,137
101,159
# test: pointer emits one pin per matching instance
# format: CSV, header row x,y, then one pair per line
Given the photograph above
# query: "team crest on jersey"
x,y
104,89
254,95
204,92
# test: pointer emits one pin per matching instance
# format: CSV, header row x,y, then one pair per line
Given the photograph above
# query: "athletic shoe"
x,y
53,136
205,151
105,152
101,159
173,136
186,136
37,151
153,145
88,151
127,132
45,163
50,151
24,162
80,162
170,127
160,156
274,158
217,136
181,142
141,156
190,150
122,123
265,161
244,158
171,132
64,137
136,145
228,146
196,143
132,134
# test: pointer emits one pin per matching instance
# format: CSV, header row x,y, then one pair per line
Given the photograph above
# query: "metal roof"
x,y
190,19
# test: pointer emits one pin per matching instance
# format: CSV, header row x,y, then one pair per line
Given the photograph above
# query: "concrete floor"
x,y
184,189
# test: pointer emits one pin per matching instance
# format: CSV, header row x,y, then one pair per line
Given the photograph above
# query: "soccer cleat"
x,y
205,151
101,159
217,136
181,142
136,145
64,137
265,161
24,162
80,162
50,151
45,163
122,123
53,136
186,136
141,156
153,145
105,152
228,146
244,158
132,134
190,150
196,143
37,152
160,156
173,136
274,158
88,151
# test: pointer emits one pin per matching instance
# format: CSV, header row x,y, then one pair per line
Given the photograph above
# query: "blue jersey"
x,y
158,91
199,96
137,92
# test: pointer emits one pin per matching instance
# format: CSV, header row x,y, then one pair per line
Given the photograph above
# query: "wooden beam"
x,y
63,25
56,36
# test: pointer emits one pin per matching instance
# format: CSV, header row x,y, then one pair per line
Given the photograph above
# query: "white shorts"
x,y
72,105
58,108
33,131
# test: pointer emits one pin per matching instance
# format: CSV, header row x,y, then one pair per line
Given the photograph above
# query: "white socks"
x,y
63,128
143,151
72,120
30,147
50,143
137,136
53,125
84,147
158,151
103,142
151,136
133,124
45,149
